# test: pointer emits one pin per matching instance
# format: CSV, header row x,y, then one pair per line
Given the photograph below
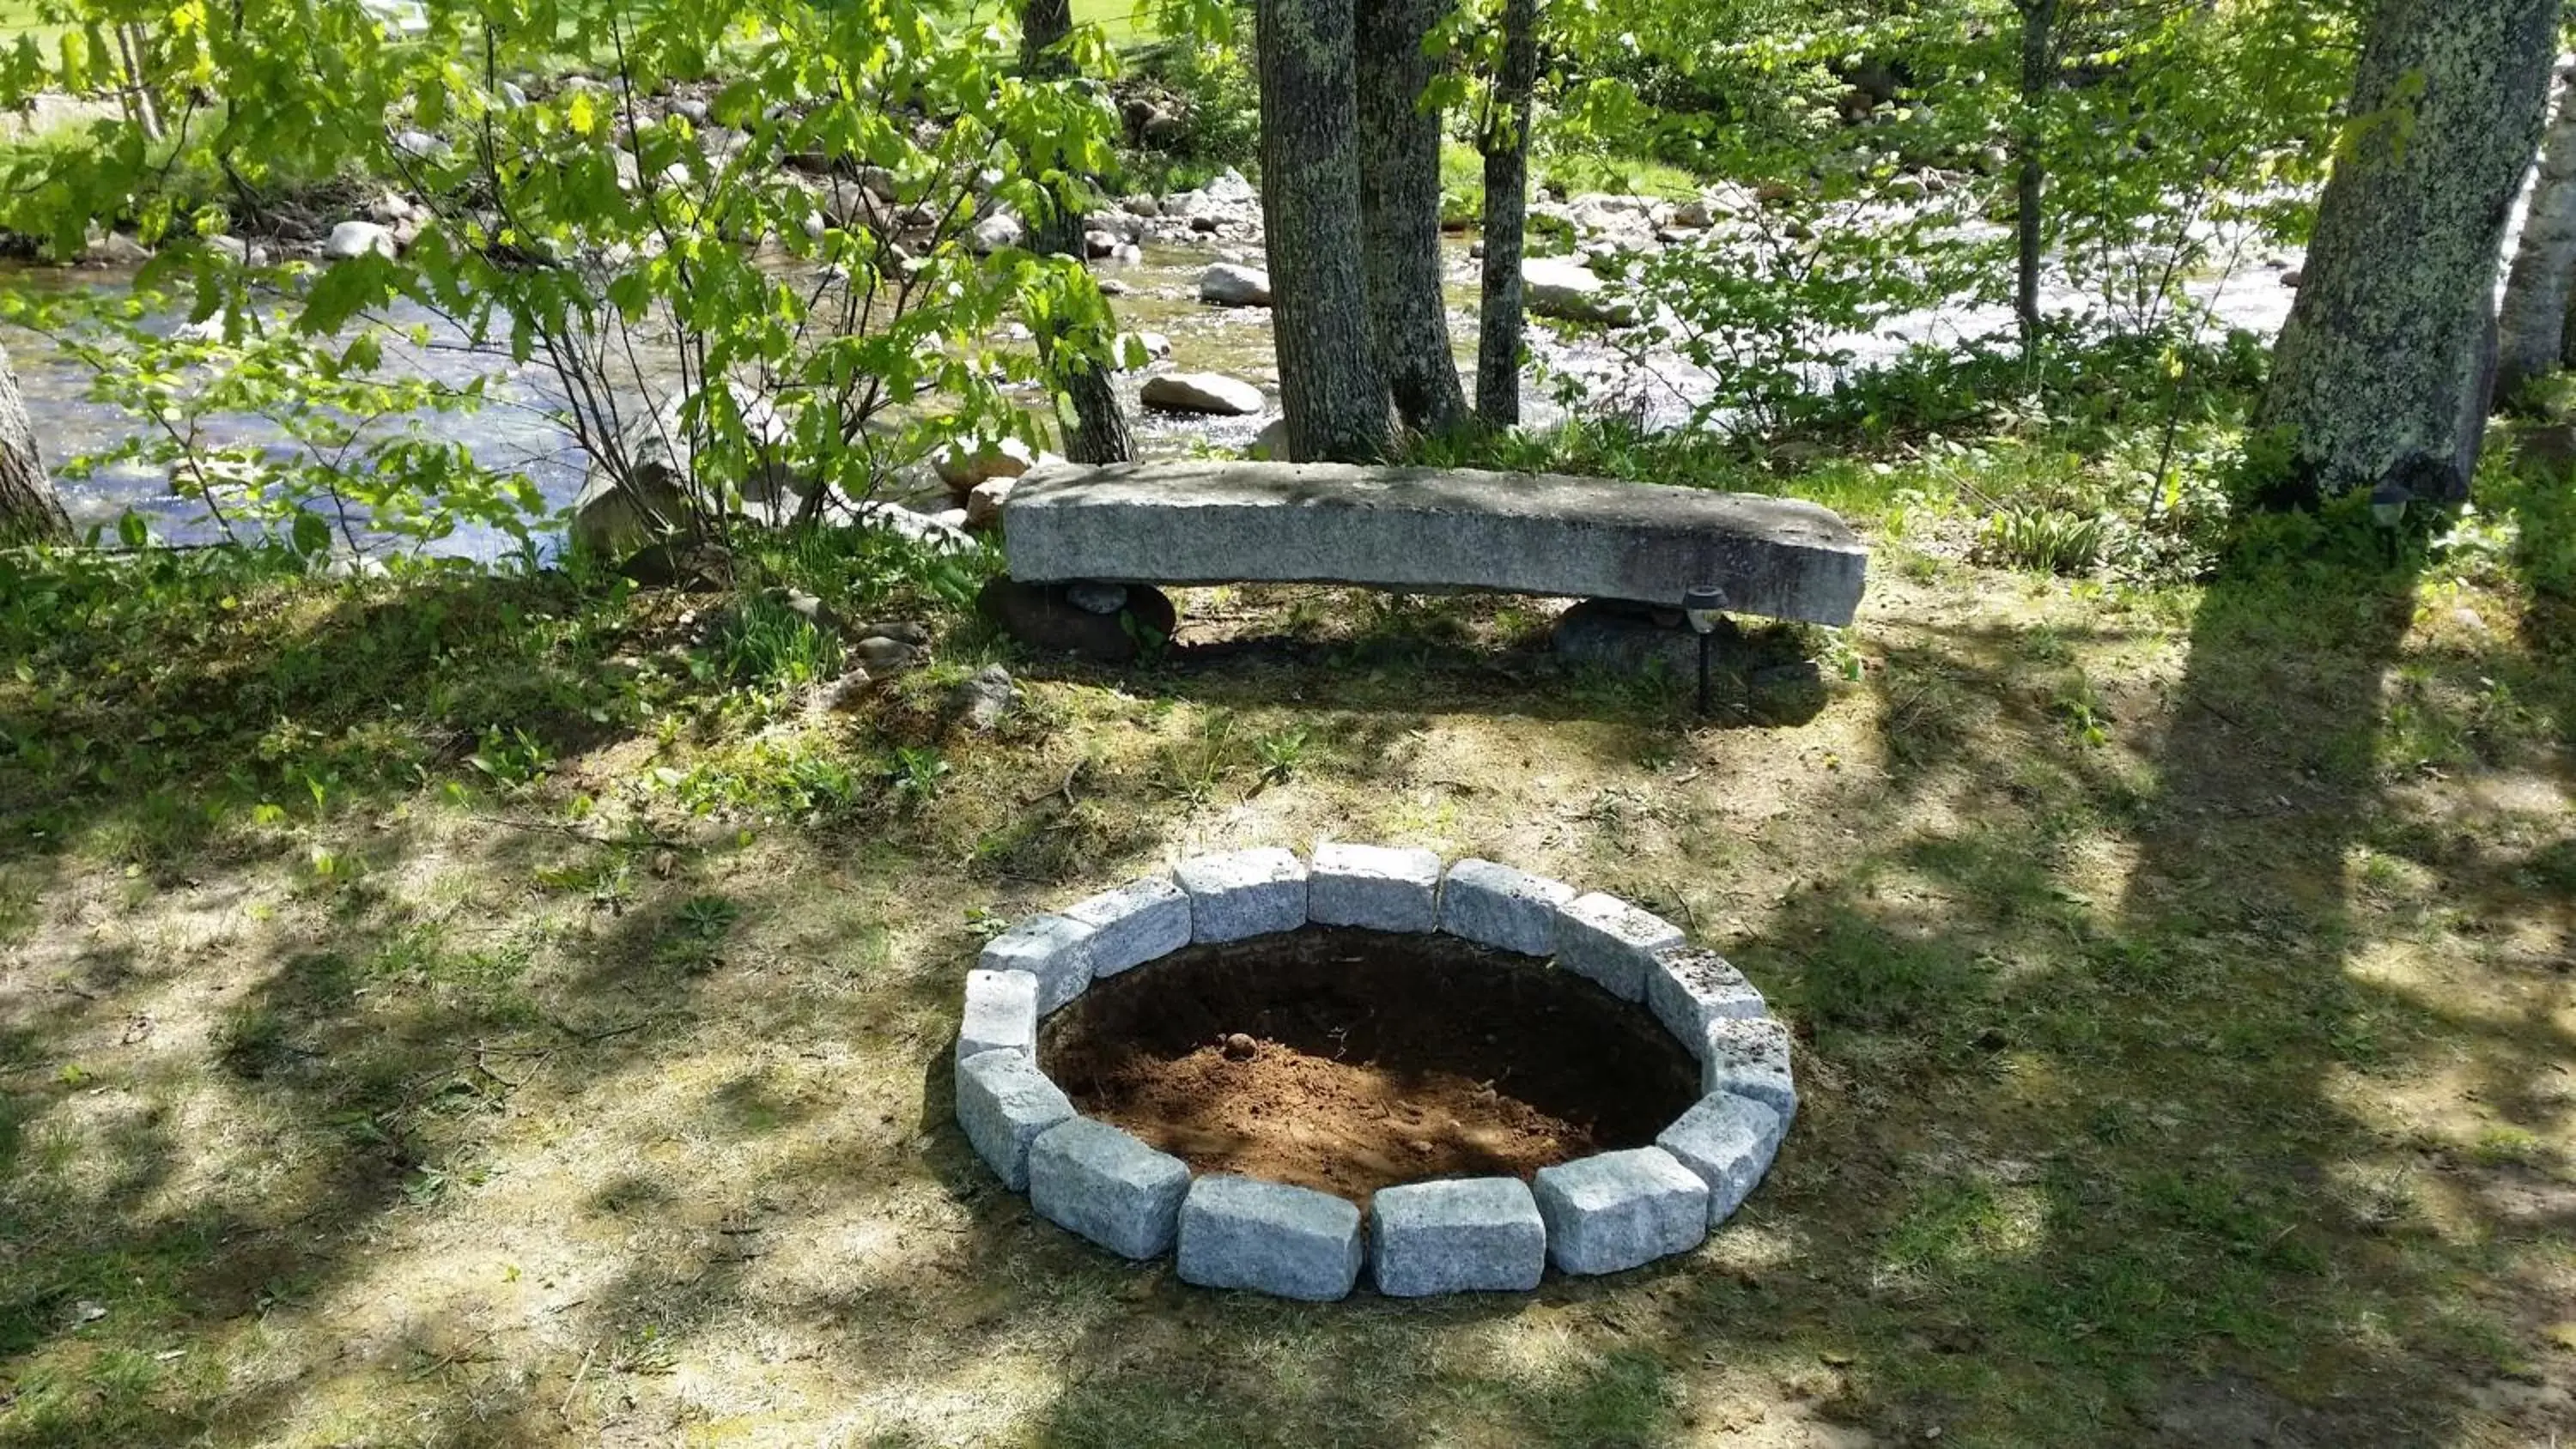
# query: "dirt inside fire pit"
x,y
1353,1060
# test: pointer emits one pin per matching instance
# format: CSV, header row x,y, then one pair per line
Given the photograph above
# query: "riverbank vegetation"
x,y
503,994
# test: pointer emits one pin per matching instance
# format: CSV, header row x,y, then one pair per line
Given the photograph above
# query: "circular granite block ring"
x,y
1604,1213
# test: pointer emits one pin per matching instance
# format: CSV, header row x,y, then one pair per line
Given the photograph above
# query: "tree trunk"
x,y
2038,22
2381,372
1400,212
2531,326
1335,398
30,511
1097,432
1506,147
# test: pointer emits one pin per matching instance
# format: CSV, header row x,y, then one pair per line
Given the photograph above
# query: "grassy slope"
x,y
2181,978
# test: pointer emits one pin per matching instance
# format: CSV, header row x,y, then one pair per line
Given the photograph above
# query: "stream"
x,y
521,429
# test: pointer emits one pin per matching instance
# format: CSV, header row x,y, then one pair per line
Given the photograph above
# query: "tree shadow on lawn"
x,y
2088,1144
2072,1166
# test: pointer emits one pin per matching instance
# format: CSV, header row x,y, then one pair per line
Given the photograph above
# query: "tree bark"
x,y
2382,371
1329,383
1400,212
2531,326
2038,24
1505,143
30,510
1097,432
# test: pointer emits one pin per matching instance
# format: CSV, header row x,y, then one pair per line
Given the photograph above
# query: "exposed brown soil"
x,y
1351,1060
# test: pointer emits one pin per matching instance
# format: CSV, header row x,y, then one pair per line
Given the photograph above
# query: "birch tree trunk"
x,y
1329,383
2383,369
30,510
1506,146
1400,212
1097,432
2531,325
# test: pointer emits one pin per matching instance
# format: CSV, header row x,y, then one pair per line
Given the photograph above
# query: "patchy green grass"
x,y
468,1009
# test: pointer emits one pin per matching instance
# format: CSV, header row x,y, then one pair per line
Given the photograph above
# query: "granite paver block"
x,y
1379,887
1481,1234
1611,1212
1289,1242
1243,893
1004,1102
1726,1141
1688,986
1749,1056
1495,905
1611,943
1134,923
1092,1179
1054,949
1001,1013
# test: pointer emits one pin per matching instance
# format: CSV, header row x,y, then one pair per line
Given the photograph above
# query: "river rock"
x,y
356,239
984,504
1228,284
1572,292
1201,392
1270,445
1137,349
997,231
1228,188
983,701
962,465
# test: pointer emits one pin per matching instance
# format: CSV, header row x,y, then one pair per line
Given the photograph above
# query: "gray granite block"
x,y
1289,1242
1134,923
1483,1234
1688,986
1726,1141
1090,1178
1612,943
1001,1013
1004,1102
1495,905
1612,1212
1055,950
1243,893
1749,1056
1375,886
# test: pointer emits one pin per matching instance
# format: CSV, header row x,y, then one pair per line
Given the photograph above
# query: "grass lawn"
x,y
449,1011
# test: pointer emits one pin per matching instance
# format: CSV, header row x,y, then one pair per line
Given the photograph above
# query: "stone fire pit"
x,y
1376,971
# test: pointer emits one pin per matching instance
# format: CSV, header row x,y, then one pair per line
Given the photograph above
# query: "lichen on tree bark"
x,y
2382,370
1400,212
1329,383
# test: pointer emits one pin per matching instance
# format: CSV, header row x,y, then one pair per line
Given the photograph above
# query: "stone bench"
x,y
1426,530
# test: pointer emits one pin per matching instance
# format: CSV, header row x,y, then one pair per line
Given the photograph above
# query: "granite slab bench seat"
x,y
1431,530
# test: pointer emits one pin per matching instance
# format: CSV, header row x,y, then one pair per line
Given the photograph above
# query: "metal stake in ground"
x,y
1701,606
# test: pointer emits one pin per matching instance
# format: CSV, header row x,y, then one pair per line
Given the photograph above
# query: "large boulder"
x,y
616,515
1228,284
963,465
1201,392
1571,292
